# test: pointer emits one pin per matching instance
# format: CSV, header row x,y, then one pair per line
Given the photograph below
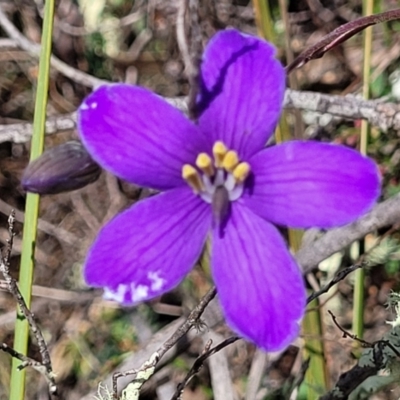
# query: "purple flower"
x,y
218,181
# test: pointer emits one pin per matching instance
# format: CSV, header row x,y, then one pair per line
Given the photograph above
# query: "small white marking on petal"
x,y
139,293
156,281
108,294
93,105
118,295
84,106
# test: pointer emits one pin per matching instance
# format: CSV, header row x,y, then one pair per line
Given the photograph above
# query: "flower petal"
x,y
242,91
138,136
304,184
149,248
259,284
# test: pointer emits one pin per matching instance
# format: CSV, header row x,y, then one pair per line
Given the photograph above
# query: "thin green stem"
x,y
316,377
17,389
358,312
264,22
265,29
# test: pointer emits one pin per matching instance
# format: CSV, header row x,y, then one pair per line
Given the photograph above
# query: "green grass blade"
x,y
264,22
17,389
358,312
316,379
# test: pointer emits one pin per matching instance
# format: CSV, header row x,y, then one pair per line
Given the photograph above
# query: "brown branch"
x,y
45,365
212,316
385,116
22,132
181,37
338,277
347,334
378,356
339,35
191,53
82,31
358,374
384,214
30,362
34,49
59,233
198,364
367,259
192,320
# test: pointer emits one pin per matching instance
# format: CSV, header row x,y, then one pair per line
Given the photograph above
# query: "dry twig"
x,y
82,31
45,365
340,35
339,277
384,116
59,233
379,355
384,214
34,49
198,364
191,54
347,334
192,320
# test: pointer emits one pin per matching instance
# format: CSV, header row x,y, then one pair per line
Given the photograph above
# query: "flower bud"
x,y
60,169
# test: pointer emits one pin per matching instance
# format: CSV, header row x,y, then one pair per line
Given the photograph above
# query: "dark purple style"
x,y
218,181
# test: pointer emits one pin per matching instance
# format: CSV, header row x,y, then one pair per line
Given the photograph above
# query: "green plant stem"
x,y
265,26
358,312
17,389
316,378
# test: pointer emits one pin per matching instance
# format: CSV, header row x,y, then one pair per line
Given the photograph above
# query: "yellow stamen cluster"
x,y
219,150
192,177
223,159
205,164
241,172
230,161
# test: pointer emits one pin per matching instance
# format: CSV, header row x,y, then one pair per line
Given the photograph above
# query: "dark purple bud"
x,y
60,169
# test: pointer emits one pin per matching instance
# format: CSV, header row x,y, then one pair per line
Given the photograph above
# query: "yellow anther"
x,y
231,159
219,150
241,172
204,162
192,177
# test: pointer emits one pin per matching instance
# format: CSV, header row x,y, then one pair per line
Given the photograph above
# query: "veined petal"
x,y
259,284
138,136
242,91
304,184
149,248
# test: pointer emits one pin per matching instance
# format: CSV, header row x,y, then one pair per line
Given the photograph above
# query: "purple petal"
x,y
304,184
242,91
138,136
259,284
149,248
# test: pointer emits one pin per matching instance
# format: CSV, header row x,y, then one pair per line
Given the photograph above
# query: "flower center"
x,y
217,179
